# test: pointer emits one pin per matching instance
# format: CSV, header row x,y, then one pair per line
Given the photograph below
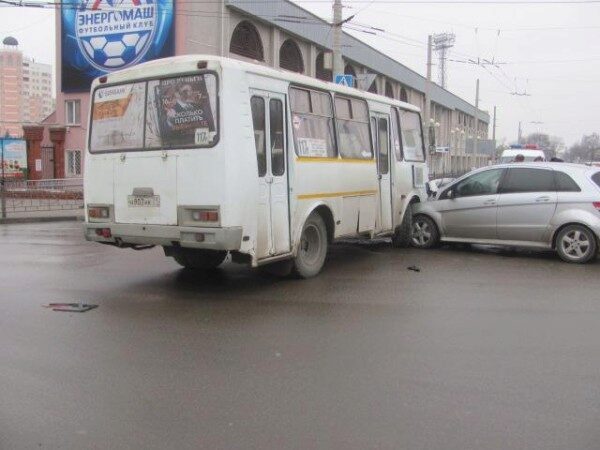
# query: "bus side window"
x,y
352,120
383,146
277,141
312,122
257,104
374,134
396,135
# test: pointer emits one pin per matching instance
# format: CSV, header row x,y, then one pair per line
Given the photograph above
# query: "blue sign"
x,y
101,36
344,80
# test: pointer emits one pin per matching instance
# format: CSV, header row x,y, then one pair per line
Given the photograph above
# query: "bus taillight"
x,y
205,215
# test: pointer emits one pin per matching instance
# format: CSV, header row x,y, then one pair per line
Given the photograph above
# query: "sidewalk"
x,y
43,216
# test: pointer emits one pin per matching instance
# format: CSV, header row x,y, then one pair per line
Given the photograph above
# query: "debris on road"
x,y
70,307
414,268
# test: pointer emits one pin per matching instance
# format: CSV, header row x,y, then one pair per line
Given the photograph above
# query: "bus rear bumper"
x,y
224,238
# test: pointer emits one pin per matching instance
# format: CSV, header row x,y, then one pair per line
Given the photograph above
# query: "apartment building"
x,y
25,89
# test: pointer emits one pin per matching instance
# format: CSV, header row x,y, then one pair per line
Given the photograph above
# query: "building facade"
x,y
282,34
11,86
38,101
25,89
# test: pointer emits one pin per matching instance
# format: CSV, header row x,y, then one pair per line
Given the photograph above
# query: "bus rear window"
x,y
177,112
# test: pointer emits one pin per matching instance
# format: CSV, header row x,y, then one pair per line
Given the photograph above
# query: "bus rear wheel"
x,y
199,259
312,249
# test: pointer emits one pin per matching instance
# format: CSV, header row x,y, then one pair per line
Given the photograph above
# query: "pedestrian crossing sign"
x,y
344,80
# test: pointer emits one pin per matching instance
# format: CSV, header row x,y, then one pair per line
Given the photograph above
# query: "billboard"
x,y
14,158
101,36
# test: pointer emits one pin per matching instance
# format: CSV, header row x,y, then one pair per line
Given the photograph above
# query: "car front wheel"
x,y
576,244
424,232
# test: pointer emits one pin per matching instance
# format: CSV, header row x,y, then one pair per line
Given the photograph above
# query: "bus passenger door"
x,y
381,132
277,154
268,117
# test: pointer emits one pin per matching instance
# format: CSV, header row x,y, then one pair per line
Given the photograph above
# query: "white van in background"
x,y
529,154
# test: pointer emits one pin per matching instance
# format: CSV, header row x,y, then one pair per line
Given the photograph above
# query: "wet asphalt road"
x,y
480,350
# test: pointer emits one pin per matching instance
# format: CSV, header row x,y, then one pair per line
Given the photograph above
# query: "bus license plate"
x,y
143,201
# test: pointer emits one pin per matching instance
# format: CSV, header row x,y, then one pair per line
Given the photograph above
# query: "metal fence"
x,y
42,195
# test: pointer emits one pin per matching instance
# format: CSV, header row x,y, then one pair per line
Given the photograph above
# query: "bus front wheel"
x,y
199,259
312,249
403,235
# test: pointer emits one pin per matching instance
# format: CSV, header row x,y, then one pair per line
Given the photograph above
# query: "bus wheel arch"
x,y
313,239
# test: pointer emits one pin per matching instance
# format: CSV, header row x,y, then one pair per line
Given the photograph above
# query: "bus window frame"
x,y
418,113
332,104
146,80
368,122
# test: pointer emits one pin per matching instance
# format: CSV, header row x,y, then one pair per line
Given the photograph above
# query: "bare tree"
x,y
588,149
550,144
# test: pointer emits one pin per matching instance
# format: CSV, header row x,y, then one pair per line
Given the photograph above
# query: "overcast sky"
x,y
549,51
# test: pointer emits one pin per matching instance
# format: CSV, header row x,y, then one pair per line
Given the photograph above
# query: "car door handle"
x,y
542,199
489,202
268,179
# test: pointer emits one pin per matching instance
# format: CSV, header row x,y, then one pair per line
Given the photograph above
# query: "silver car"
x,y
543,205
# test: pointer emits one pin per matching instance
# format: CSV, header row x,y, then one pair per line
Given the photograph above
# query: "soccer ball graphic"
x,y
101,36
116,50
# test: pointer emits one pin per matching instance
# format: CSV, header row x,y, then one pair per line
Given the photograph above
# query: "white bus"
x,y
209,156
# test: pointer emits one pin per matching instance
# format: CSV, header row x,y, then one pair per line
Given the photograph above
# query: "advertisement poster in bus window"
x,y
15,158
101,36
117,117
185,115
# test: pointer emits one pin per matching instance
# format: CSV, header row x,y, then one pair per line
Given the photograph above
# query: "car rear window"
x,y
564,183
528,180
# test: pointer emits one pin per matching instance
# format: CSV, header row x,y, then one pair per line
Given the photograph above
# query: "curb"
x,y
20,220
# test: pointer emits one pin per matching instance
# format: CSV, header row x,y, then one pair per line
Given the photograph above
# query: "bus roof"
x,y
188,63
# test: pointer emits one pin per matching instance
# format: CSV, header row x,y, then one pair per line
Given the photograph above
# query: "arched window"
x,y
403,95
245,41
349,70
321,72
389,90
373,87
290,57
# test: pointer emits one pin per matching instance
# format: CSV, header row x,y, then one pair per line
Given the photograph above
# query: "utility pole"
x,y
338,62
494,126
476,118
428,91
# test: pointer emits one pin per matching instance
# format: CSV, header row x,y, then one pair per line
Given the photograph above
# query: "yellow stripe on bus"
x,y
336,194
337,160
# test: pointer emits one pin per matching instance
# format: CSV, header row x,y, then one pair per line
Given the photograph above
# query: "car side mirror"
x,y
449,194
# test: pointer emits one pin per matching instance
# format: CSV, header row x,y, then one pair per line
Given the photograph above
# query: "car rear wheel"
x,y
199,259
576,244
424,232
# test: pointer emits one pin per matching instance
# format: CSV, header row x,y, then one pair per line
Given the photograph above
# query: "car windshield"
x,y
176,112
